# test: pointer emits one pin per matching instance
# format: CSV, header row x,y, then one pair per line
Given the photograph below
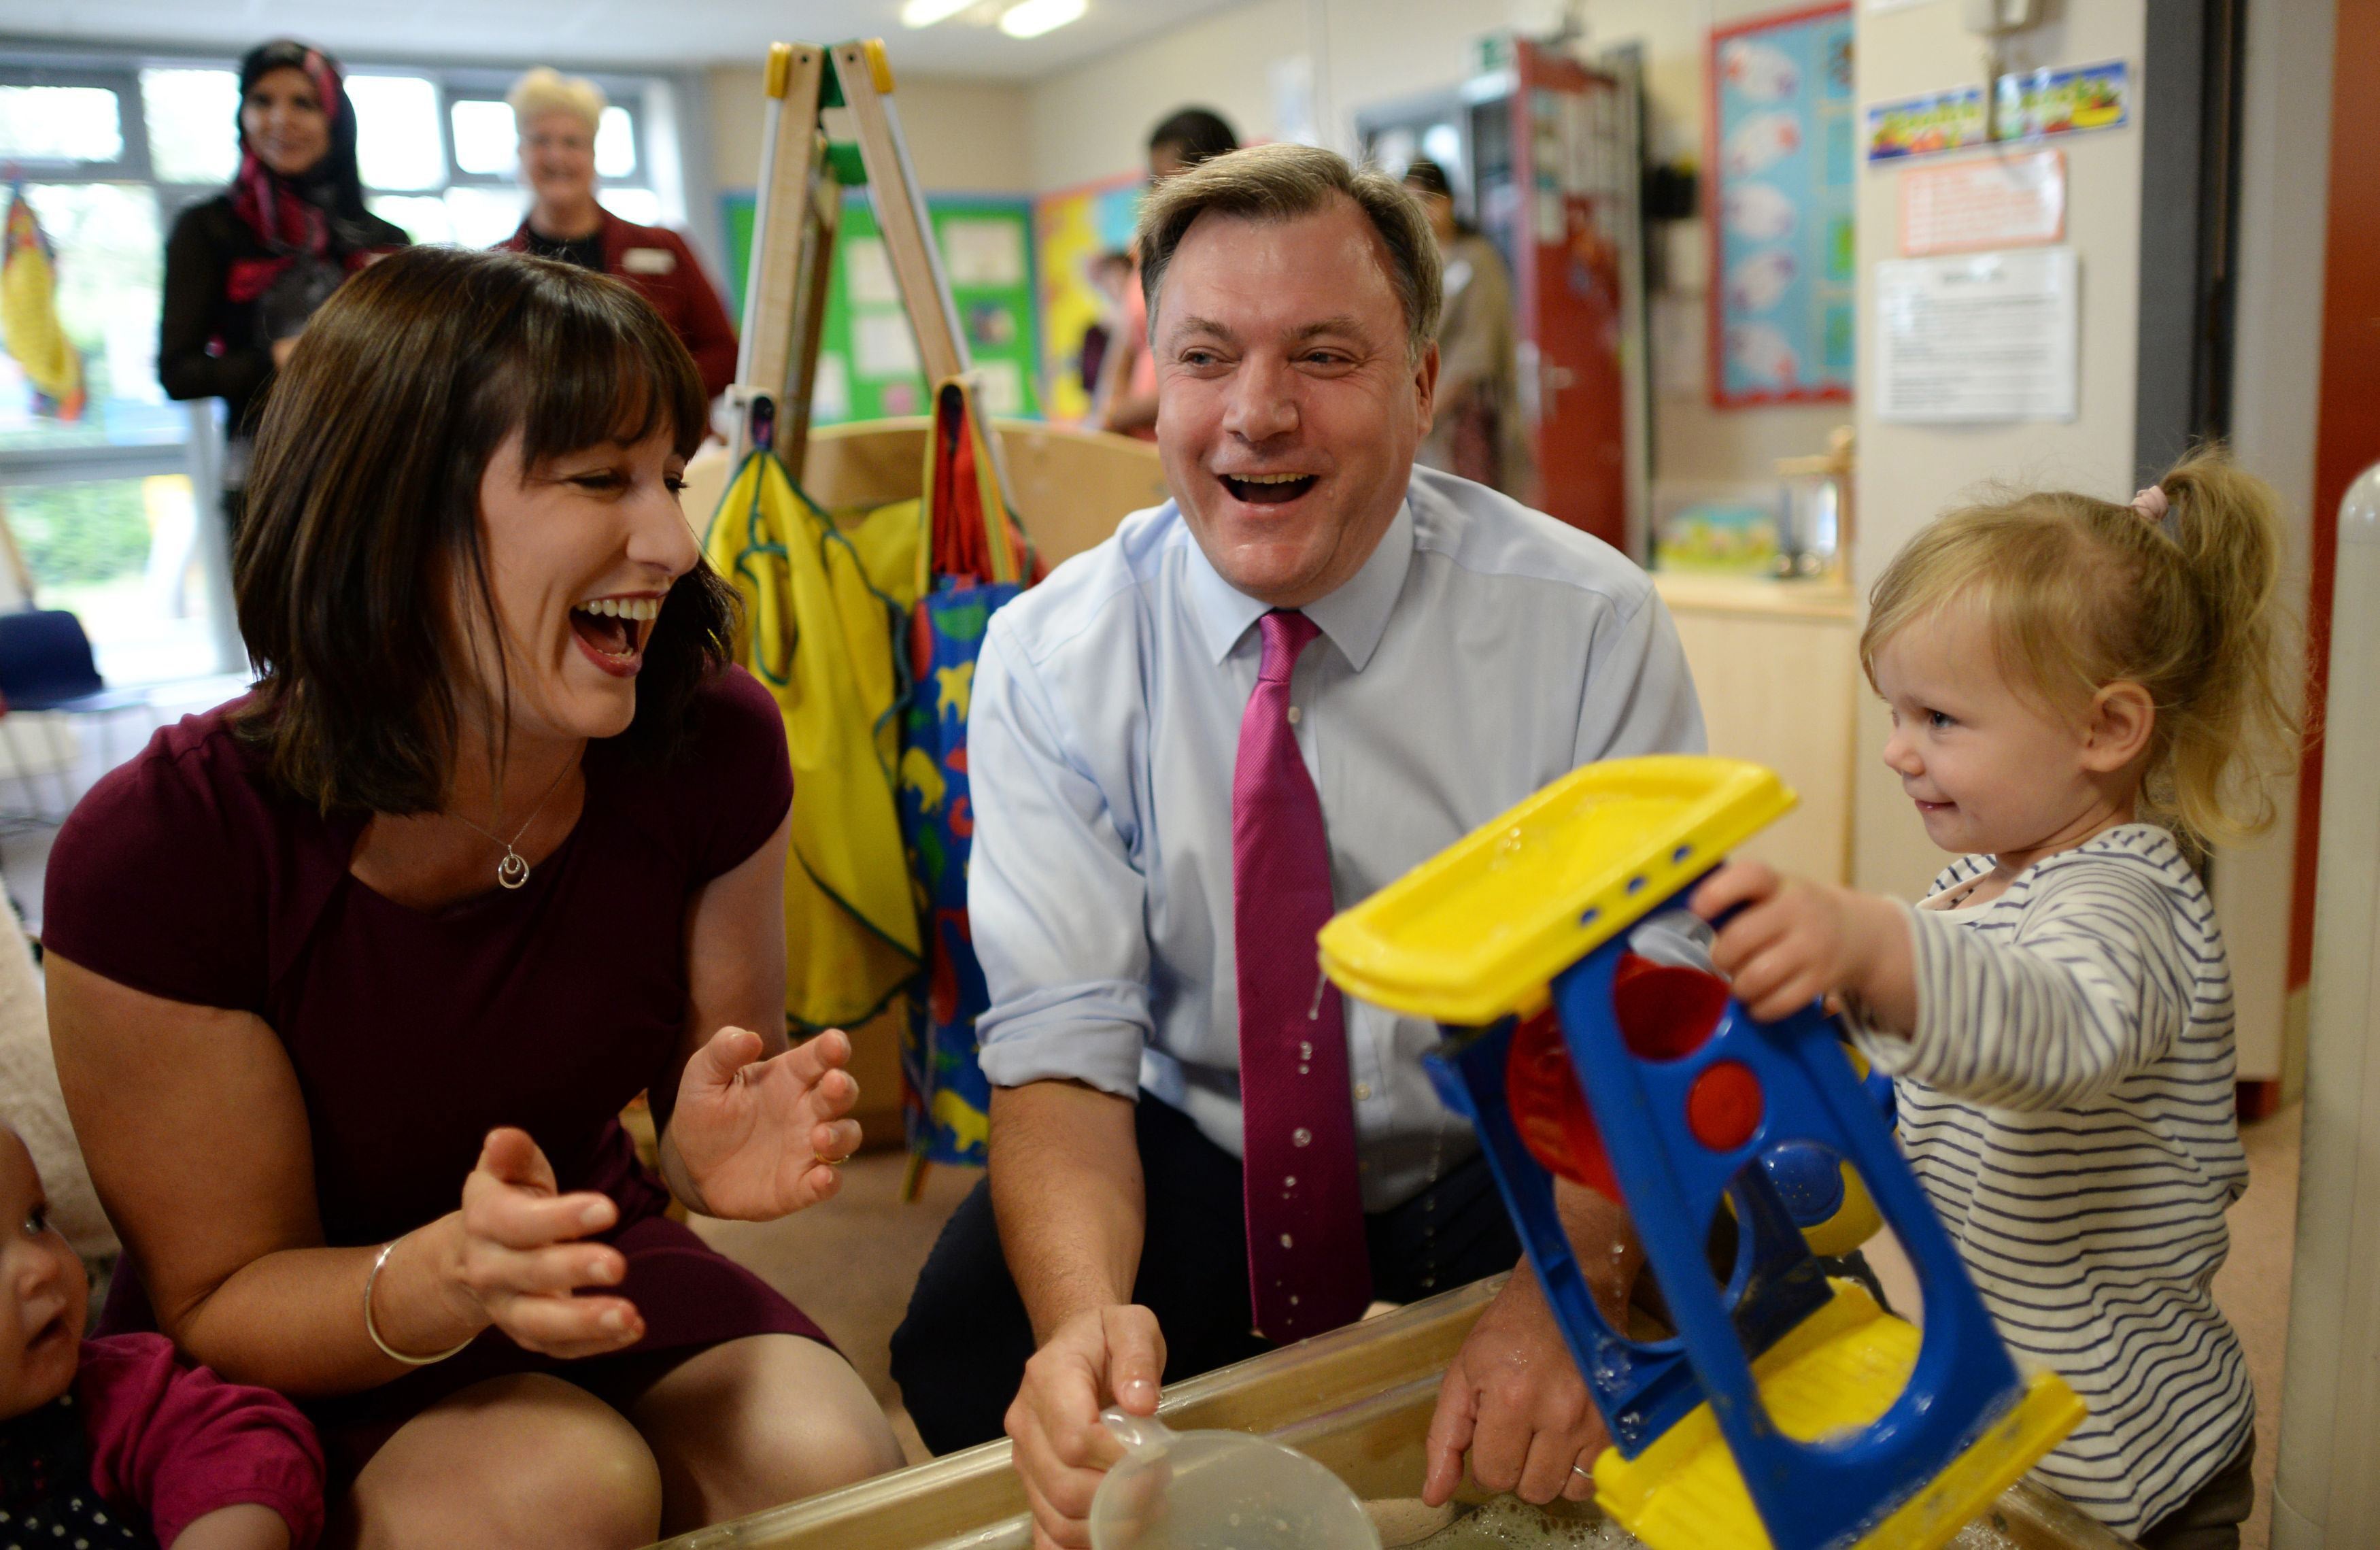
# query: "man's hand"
x,y
1101,1356
1515,1401
1793,941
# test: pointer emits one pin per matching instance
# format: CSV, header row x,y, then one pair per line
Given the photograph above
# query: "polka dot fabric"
x,y
46,1500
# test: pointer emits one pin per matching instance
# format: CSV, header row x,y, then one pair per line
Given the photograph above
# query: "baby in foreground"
x,y
115,1443
2083,698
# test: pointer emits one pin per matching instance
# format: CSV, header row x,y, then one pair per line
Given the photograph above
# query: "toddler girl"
x,y
113,1443
2081,697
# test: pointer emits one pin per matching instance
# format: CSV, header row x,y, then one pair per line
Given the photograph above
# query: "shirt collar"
x,y
1355,616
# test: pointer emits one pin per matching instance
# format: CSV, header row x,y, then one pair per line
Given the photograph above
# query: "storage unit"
x,y
1777,666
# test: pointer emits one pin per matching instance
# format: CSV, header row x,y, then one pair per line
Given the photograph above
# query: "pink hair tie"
x,y
2151,503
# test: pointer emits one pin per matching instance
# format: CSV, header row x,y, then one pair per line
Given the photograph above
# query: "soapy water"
x,y
1509,1523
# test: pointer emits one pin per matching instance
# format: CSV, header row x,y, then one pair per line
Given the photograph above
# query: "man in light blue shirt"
x,y
1470,651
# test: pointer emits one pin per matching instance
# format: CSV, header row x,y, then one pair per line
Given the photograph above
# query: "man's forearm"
x,y
1066,1190
1605,1241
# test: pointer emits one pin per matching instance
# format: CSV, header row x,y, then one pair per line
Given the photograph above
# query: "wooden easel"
x,y
804,171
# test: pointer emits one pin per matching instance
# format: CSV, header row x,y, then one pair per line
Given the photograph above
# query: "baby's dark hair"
x,y
2079,593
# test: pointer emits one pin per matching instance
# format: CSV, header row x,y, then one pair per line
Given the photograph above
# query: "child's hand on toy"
x,y
1792,941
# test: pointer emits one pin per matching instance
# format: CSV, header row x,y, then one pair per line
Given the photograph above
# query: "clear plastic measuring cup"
x,y
1220,1491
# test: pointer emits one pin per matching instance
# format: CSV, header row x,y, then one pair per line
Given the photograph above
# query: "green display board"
x,y
868,359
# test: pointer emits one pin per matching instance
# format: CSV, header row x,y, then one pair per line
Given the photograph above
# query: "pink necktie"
x,y
1308,1269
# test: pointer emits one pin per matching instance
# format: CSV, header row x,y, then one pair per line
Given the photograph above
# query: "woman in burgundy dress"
x,y
349,978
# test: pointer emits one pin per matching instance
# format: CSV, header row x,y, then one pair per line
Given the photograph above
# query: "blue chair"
x,y
46,664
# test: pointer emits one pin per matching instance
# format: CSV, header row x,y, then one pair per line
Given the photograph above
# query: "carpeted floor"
x,y
850,1263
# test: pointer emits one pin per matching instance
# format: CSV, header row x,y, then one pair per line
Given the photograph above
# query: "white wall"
x,y
964,136
1908,473
1092,122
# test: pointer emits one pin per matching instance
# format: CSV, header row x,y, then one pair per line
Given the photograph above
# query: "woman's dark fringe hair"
x,y
359,573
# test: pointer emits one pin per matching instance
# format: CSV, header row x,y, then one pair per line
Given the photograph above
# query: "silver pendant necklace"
x,y
512,870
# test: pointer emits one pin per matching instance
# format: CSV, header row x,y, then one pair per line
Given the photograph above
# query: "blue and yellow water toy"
x,y
1789,1410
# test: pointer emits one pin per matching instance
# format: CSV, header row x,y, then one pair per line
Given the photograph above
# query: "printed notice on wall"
x,y
1990,337
1984,203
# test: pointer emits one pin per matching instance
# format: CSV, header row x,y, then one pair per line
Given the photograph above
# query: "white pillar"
x,y
206,446
2327,1496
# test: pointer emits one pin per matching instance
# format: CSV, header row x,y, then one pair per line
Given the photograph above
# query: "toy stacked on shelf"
x,y
1789,1410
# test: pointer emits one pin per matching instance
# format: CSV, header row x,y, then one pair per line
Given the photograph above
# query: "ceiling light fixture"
x,y
1030,18
925,13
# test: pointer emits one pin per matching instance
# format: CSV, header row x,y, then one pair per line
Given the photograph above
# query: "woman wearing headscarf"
x,y
244,270
1479,431
557,117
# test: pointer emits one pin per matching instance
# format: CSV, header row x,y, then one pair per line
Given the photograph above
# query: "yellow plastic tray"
x,y
1479,930
1838,1372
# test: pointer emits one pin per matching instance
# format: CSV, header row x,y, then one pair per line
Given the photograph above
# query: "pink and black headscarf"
x,y
319,214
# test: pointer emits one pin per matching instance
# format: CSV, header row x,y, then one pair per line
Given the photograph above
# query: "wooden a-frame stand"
x,y
804,167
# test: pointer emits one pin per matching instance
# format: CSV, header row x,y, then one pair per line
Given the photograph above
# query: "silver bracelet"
x,y
373,1329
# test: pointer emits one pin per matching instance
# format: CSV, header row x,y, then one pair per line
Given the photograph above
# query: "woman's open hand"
x,y
522,1260
758,1139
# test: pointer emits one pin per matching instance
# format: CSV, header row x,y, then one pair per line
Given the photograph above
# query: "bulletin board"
x,y
1070,228
868,359
1778,201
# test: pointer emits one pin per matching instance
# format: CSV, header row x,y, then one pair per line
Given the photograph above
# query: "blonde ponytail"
x,y
2227,724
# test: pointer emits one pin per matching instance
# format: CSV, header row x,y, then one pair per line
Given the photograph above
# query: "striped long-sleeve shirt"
x,y
2066,1101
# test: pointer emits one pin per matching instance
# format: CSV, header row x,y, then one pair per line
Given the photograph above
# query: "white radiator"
x,y
2327,1496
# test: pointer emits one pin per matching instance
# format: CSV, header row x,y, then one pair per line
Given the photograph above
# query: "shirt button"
x,y
1295,715
1363,1090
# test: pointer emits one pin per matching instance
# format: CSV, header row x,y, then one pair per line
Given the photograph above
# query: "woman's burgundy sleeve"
x,y
181,1442
743,773
156,881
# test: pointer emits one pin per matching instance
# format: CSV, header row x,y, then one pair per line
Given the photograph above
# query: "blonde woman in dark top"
x,y
559,116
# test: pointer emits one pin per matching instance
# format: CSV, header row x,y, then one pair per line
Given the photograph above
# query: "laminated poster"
x,y
1986,338
1072,228
868,365
2031,106
1781,156
2062,102
1920,125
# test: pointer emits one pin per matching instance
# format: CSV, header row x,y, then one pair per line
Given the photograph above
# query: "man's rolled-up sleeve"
x,y
1640,694
1056,906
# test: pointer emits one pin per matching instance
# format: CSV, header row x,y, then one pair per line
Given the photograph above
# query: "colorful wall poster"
x,y
2061,102
1075,228
2028,106
1921,126
1780,207
868,358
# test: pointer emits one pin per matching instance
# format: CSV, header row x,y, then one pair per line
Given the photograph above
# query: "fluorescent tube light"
x,y
1030,18
925,13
